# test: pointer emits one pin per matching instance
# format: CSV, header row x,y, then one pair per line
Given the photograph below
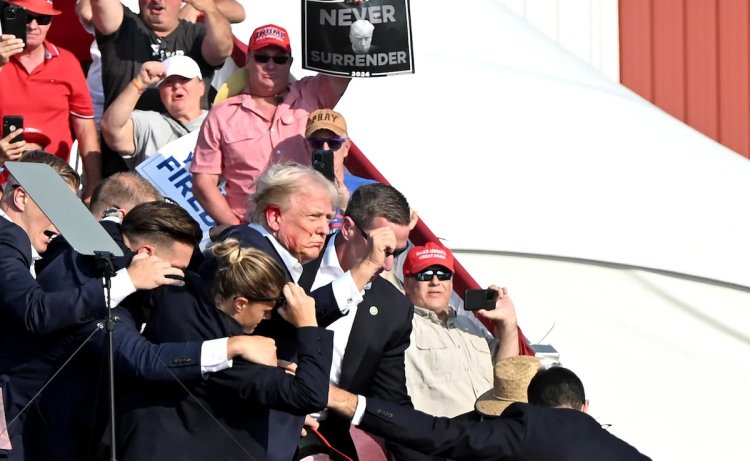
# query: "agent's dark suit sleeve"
x,y
326,308
26,304
300,394
499,438
134,355
389,381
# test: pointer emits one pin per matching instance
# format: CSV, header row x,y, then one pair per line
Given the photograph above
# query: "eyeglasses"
x,y
41,19
333,143
264,58
395,253
427,275
278,301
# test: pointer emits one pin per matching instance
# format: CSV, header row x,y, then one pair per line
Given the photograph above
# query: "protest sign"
x,y
367,40
169,171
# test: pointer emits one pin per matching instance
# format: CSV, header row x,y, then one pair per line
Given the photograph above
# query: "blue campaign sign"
x,y
169,171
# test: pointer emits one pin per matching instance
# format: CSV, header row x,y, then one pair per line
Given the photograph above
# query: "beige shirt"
x,y
448,364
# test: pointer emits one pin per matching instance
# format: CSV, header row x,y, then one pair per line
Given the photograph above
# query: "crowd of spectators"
x,y
287,324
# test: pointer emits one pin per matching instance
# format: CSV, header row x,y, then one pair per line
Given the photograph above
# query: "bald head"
x,y
122,191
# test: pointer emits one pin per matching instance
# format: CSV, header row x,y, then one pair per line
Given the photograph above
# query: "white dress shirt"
x,y
344,289
330,270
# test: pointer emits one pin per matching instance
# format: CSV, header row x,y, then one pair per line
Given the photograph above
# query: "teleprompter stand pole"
x,y
107,269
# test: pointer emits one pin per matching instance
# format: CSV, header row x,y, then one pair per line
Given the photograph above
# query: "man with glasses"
x,y
326,131
45,85
369,342
449,362
262,126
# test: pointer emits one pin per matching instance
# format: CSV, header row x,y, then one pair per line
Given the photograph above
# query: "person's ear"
x,y
20,197
203,88
348,228
239,303
585,406
147,249
273,217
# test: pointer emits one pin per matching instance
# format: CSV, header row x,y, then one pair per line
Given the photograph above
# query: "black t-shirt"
x,y
124,51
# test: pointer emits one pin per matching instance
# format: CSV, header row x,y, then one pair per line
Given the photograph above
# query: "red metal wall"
x,y
692,59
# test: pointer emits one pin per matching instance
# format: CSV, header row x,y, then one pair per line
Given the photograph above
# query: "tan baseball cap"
x,y
326,119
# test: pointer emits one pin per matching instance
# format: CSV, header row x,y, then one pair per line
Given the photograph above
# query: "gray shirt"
x,y
153,130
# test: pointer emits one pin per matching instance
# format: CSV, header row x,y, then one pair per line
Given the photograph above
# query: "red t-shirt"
x,y
69,33
48,97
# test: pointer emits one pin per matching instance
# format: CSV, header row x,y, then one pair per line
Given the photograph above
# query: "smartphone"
x,y
10,124
322,161
14,21
475,300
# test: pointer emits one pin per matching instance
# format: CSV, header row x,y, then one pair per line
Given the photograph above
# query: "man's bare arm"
x,y
342,402
107,15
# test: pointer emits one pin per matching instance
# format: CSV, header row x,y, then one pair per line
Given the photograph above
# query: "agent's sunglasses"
x,y
333,143
427,274
41,19
264,58
395,253
278,301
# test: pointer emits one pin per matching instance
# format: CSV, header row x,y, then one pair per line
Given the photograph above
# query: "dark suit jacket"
x,y
26,312
165,422
373,362
327,311
523,432
24,306
75,406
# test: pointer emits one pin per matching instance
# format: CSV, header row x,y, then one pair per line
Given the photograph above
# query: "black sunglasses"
x,y
427,274
277,300
395,253
41,19
264,58
333,143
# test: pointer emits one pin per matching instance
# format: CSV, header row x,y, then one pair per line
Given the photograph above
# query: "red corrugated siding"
x,y
692,59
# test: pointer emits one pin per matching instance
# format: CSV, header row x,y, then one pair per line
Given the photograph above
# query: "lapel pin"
x,y
373,310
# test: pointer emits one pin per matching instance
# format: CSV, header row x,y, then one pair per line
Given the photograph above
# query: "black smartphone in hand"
x,y
322,161
13,21
10,124
475,300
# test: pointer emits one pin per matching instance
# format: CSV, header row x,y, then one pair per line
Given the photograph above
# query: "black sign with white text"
x,y
367,40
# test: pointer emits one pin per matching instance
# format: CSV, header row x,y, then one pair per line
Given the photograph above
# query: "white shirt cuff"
x,y
214,356
122,287
346,293
360,411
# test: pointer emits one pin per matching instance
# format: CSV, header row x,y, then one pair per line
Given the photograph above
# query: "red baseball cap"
x,y
422,257
37,6
35,136
263,36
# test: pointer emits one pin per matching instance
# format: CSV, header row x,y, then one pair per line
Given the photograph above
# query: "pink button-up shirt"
x,y
238,143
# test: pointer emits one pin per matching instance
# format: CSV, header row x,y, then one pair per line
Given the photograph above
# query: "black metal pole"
x,y
104,263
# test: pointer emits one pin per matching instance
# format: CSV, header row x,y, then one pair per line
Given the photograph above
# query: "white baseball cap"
x,y
181,65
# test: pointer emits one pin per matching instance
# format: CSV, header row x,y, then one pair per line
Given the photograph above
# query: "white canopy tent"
x,y
604,216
